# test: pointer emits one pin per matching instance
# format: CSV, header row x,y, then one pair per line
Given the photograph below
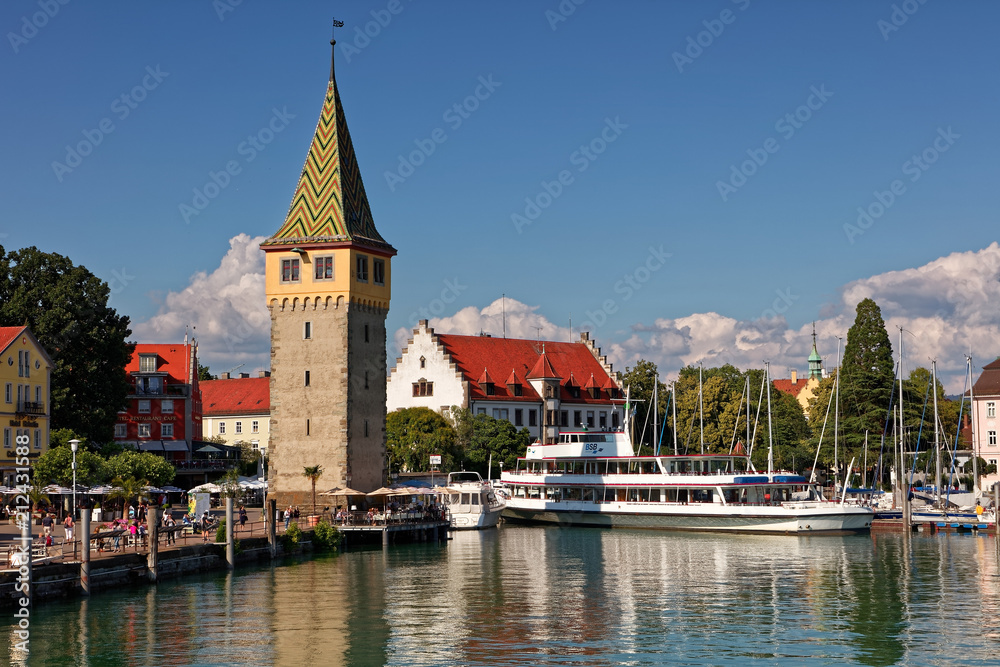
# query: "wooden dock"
x,y
392,533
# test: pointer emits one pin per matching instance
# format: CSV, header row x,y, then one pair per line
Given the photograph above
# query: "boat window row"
x,y
631,466
753,495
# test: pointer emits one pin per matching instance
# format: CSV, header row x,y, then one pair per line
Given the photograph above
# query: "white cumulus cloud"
x,y
225,307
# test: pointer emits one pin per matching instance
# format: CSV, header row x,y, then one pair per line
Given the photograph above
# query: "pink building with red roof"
x,y
986,398
543,386
164,404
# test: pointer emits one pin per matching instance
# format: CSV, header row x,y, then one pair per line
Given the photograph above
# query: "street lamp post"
x,y
74,444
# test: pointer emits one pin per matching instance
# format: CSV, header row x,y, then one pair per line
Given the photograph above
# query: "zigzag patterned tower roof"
x,y
330,204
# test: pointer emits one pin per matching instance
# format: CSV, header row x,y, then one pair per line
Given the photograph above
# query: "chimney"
x,y
223,376
244,375
795,377
263,374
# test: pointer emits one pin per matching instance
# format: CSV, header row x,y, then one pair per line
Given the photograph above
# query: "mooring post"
x,y
271,520
85,557
230,546
153,535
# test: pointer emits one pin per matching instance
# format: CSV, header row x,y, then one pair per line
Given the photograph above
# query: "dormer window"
x,y
573,391
489,389
517,390
147,363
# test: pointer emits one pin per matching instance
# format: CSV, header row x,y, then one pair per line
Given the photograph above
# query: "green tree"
x,y
56,467
204,373
414,434
66,307
141,465
718,408
127,488
313,473
638,381
493,439
867,372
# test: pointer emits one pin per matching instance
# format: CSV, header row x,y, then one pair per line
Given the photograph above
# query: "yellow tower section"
x,y
328,285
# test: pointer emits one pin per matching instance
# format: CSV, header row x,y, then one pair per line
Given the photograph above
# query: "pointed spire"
x,y
330,203
815,361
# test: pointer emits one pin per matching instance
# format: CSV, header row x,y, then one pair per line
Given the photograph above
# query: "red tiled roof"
x,y
238,396
485,377
988,383
786,386
543,368
514,357
171,359
8,335
591,383
512,378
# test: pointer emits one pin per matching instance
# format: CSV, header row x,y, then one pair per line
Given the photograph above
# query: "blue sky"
x,y
833,100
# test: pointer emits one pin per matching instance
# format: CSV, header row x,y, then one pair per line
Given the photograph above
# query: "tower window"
x,y
290,270
307,330
366,428
362,269
307,379
366,333
307,427
324,268
366,379
378,271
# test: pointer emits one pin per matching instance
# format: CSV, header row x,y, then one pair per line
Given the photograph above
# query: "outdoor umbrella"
x,y
384,491
206,488
346,491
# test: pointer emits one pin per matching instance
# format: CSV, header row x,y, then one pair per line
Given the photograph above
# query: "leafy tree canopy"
x,y
490,439
141,466
414,434
56,467
66,307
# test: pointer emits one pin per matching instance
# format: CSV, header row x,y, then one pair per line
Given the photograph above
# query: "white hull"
x,y
813,517
489,518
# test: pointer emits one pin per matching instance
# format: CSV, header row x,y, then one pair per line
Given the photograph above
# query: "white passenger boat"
x,y
594,479
471,502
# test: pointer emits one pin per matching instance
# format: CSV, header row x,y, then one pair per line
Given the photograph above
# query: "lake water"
x,y
561,596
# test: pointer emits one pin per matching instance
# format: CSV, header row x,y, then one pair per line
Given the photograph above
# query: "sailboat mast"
x,y
673,405
937,443
902,441
770,435
836,413
975,443
656,414
701,411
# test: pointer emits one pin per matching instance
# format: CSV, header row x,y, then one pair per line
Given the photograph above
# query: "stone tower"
x,y
328,286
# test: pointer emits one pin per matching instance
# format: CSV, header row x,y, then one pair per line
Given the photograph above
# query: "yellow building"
x,y
25,371
328,286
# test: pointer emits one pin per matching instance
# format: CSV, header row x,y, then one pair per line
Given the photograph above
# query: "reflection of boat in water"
x,y
472,503
594,478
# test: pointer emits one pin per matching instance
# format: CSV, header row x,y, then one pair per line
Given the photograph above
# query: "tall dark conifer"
x,y
866,380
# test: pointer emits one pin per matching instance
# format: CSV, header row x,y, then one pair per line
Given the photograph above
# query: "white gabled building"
x,y
531,383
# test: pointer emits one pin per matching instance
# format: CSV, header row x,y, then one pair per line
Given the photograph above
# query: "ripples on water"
x,y
551,596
